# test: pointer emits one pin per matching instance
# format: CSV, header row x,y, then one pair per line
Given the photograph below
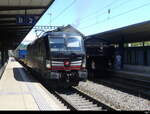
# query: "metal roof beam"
x,y
7,8
14,15
7,21
15,28
7,26
18,30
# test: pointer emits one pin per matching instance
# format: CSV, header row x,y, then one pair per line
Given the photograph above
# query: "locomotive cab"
x,y
67,59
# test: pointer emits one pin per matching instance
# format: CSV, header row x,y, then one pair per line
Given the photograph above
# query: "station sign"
x,y
26,19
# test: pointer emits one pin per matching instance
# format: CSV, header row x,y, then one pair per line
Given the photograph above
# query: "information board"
x,y
26,19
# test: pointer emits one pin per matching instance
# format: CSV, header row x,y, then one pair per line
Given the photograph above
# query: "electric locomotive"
x,y
59,58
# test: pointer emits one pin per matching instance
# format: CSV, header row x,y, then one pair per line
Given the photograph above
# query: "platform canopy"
x,y
17,17
132,33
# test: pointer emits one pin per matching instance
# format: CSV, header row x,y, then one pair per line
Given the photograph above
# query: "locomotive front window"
x,y
66,44
73,44
57,44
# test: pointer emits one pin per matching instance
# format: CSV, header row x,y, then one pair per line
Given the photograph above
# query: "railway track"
x,y
77,100
137,87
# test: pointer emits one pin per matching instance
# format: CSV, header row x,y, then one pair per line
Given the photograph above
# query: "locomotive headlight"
x,y
84,63
48,64
101,48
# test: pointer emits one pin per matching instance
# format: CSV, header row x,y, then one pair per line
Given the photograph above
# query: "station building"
x,y
131,42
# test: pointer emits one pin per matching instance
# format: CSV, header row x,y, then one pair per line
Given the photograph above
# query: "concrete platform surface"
x,y
19,91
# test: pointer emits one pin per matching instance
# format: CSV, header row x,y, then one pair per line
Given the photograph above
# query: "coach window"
x,y
31,51
35,51
0,59
40,51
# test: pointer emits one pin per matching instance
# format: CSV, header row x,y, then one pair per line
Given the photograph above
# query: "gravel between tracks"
x,y
116,98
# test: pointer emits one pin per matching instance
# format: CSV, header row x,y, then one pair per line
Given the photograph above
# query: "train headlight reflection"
x,y
48,65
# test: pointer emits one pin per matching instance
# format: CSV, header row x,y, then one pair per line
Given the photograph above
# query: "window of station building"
x,y
135,44
125,44
0,59
129,45
116,45
147,43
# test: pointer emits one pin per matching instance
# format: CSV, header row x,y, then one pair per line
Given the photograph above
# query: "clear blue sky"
x,y
95,16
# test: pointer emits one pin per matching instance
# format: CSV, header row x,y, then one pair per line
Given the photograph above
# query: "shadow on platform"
x,y
18,77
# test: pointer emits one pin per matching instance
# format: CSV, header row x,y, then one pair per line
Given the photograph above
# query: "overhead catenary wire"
x,y
64,10
106,11
99,10
123,13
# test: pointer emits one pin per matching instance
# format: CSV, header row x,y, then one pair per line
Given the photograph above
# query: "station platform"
x,y
20,91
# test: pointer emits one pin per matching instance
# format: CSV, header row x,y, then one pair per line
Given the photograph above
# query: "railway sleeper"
x,y
82,102
79,100
74,98
87,107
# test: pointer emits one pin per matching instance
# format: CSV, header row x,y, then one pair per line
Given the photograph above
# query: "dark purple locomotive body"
x,y
59,58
